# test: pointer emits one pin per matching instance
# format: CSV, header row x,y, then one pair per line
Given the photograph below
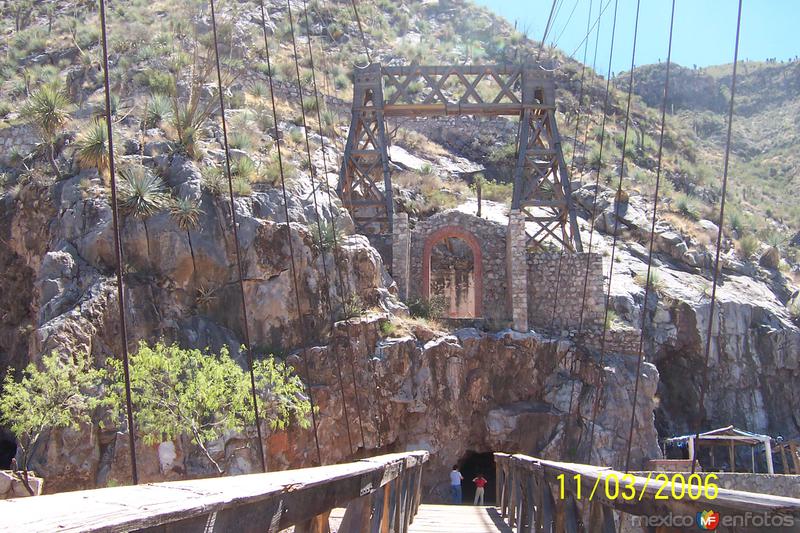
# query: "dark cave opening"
x,y
472,464
8,449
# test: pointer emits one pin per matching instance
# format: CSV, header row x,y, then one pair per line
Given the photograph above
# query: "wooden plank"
x,y
299,494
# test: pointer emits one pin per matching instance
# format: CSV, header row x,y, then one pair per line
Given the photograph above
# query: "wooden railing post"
x,y
356,516
380,511
418,492
318,524
530,515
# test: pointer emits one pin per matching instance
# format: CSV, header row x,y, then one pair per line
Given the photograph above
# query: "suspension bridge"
x,y
384,493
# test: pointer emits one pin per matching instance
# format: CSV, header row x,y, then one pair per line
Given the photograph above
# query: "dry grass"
x,y
413,141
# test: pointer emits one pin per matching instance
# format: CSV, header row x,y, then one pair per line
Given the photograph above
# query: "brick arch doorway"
x,y
438,237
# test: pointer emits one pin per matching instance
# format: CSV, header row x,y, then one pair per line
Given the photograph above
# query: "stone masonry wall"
x,y
492,239
547,290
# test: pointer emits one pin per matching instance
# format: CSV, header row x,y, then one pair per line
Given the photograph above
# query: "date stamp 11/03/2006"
x,y
614,486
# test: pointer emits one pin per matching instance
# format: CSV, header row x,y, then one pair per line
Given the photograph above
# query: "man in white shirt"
x,y
455,484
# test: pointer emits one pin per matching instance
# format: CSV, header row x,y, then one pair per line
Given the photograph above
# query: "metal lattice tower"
x,y
541,179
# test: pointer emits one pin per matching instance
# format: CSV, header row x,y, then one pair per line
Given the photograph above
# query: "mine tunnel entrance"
x,y
8,449
472,464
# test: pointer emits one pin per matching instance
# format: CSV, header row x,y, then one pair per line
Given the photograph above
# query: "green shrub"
x,y
326,235
435,307
687,206
60,393
206,395
310,105
214,180
388,328
353,307
158,81
241,186
496,191
748,246
296,135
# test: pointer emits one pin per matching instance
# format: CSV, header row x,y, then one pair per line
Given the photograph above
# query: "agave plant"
x,y
186,214
48,109
92,147
141,195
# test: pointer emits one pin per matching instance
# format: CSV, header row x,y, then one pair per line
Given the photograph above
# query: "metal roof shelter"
x,y
727,436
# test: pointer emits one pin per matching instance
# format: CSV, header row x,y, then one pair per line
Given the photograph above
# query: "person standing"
x,y
455,484
480,487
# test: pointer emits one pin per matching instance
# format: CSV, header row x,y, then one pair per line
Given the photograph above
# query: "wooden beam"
x,y
235,503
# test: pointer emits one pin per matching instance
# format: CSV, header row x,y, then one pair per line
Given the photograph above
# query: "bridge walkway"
x,y
449,519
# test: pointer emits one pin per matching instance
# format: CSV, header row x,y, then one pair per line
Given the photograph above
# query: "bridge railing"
x,y
380,494
549,496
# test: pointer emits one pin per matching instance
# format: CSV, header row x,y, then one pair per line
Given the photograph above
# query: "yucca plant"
x,y
92,147
141,195
240,141
48,110
159,108
326,235
186,214
245,169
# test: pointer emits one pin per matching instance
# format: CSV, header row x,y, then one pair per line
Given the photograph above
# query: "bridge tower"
x,y
541,179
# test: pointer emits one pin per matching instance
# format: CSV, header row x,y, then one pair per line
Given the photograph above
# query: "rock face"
x,y
180,286
473,392
754,360
12,486
454,394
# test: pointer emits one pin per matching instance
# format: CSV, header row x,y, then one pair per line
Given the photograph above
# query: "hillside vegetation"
x,y
163,84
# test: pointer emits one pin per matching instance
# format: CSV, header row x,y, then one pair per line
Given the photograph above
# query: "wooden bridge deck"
x,y
458,519
448,519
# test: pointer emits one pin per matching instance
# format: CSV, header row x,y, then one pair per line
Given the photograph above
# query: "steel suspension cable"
x,y
546,28
572,163
599,168
566,24
361,31
594,69
118,250
596,22
312,171
561,257
615,235
640,350
715,278
245,325
379,417
300,321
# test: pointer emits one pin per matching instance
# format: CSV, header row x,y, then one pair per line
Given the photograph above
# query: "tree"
x,y
205,395
48,110
59,394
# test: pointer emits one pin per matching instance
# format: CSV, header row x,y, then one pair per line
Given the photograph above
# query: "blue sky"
x,y
704,29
